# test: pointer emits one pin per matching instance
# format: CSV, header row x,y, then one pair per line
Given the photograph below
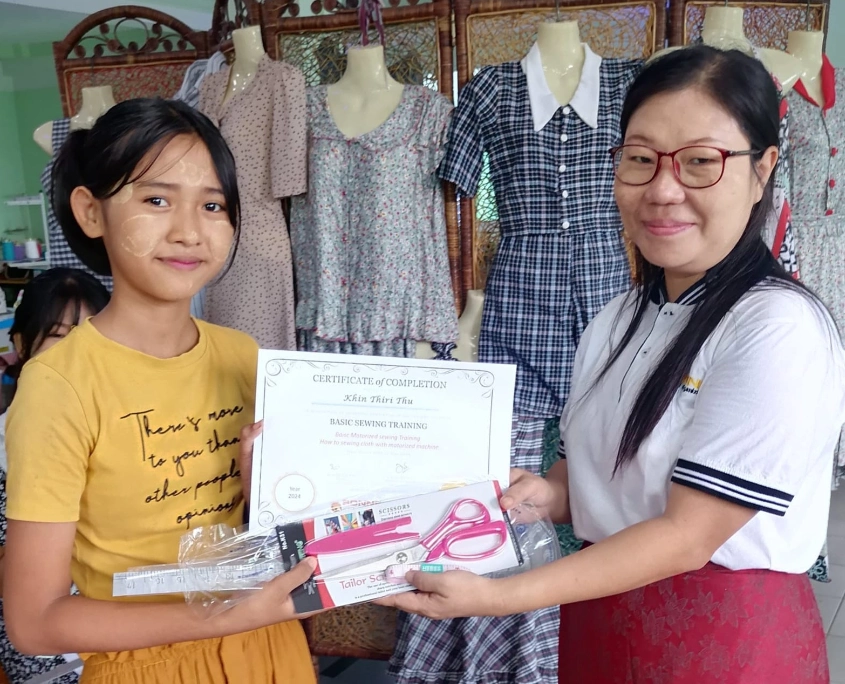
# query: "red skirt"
x,y
713,625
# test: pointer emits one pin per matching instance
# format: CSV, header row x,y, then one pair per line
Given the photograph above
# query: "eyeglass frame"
x,y
726,154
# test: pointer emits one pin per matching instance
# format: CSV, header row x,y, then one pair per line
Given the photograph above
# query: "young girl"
x,y
53,304
125,436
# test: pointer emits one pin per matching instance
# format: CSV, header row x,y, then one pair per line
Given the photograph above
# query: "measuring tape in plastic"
x,y
194,578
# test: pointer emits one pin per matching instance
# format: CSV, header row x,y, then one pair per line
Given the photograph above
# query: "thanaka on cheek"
x,y
139,235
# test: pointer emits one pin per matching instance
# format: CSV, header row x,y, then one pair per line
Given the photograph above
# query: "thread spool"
x,y
20,252
8,250
32,250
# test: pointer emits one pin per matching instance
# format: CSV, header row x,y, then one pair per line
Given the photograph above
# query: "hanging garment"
x,y
369,238
817,137
562,255
264,126
59,253
522,649
818,214
779,234
189,93
705,627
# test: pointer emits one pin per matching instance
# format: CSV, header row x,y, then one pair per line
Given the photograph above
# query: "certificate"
x,y
341,430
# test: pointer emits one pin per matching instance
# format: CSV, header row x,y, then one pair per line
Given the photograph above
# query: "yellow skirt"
x,y
273,655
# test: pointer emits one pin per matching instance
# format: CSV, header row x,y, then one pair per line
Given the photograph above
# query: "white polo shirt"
x,y
756,422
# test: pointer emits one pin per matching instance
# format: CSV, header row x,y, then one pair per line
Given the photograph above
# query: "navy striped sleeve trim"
x,y
561,450
731,488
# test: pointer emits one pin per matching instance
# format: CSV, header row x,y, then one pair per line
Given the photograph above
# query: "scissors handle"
x,y
454,520
443,549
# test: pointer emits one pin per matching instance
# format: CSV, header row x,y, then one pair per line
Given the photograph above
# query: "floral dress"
x,y
369,238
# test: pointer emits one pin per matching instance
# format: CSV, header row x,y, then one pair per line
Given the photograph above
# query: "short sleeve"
x,y
771,392
463,161
288,144
48,443
440,113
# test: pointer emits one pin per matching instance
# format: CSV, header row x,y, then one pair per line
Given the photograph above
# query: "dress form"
x,y
366,95
469,328
723,29
95,102
562,56
808,47
249,49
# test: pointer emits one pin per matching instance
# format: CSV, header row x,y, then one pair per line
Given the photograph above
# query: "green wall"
x,y
29,96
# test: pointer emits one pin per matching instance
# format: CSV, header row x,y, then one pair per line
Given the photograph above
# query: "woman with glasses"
x,y
705,408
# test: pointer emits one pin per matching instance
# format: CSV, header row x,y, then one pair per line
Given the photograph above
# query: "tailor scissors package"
x,y
362,552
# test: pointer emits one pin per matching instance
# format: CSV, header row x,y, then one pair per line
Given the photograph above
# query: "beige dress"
x,y
265,128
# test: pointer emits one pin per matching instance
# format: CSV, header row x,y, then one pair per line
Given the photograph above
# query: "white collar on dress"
x,y
585,101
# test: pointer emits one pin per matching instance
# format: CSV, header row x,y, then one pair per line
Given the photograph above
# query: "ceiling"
x,y
38,21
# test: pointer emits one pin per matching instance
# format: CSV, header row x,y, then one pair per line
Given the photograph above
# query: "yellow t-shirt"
x,y
136,450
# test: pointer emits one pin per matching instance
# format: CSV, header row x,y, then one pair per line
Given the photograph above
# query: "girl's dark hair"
x,y
741,86
110,155
45,300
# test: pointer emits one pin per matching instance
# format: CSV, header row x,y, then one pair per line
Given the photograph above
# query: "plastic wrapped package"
x,y
220,566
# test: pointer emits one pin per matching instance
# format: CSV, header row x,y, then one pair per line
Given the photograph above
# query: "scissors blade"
x,y
411,555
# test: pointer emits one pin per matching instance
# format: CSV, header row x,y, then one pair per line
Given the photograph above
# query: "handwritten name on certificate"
x,y
349,429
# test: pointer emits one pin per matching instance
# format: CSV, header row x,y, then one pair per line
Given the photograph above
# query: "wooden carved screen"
x,y
766,23
494,31
227,16
418,51
138,51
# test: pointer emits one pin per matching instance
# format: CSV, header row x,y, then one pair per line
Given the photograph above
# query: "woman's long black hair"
x,y
110,155
741,86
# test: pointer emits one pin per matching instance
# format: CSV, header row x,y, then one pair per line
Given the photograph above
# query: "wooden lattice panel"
x,y
411,53
138,51
610,31
362,631
766,24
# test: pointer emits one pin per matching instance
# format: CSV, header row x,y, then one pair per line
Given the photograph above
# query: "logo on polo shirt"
x,y
691,385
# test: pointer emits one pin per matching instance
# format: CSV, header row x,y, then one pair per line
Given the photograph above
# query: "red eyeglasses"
x,y
696,166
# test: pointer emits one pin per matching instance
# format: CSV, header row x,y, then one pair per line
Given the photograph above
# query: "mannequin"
x,y
563,57
469,328
95,102
249,50
808,47
366,95
723,29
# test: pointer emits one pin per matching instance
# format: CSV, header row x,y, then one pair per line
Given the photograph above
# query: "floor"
x,y
831,595
831,599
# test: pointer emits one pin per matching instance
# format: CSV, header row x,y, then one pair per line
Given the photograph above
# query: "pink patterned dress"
x,y
369,238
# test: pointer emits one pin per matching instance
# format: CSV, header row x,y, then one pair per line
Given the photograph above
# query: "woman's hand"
x,y
249,433
451,594
548,495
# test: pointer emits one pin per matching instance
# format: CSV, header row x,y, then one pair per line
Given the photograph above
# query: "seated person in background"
x,y
53,303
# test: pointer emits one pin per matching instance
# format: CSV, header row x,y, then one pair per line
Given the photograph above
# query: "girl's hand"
x,y
451,594
272,603
249,433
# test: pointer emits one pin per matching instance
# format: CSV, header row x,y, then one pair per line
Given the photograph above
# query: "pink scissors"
x,y
467,519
